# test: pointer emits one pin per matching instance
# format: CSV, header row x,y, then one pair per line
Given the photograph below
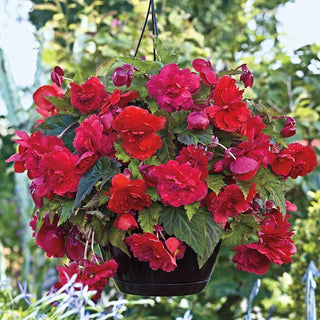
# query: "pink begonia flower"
x,y
173,88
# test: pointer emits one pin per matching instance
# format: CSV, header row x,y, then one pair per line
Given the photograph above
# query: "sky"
x,y
300,21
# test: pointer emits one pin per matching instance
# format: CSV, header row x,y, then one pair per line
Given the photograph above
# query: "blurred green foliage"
x,y
82,34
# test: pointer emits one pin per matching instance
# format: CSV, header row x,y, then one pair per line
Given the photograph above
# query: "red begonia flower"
x,y
230,202
305,160
196,157
228,113
137,129
248,258
51,237
146,247
125,221
179,184
128,194
206,72
90,137
45,107
88,96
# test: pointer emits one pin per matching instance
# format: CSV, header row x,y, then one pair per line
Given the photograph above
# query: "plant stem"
x,y
67,128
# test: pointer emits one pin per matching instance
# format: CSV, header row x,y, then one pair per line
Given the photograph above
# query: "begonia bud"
x,y
198,121
123,75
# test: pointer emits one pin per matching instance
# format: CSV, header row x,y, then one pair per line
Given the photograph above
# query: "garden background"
x,y
78,35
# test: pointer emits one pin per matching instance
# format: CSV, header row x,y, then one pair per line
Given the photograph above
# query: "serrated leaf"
x,y
167,150
77,77
152,192
66,211
275,185
202,234
104,169
79,218
164,54
99,230
105,67
189,137
245,187
149,217
116,237
134,167
215,182
241,230
61,104
120,153
152,161
55,125
203,93
191,209
178,121
143,66
153,106
274,134
103,199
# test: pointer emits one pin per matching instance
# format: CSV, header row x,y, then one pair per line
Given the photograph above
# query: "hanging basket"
x,y
137,278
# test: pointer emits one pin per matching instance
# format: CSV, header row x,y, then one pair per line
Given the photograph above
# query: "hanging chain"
x,y
155,32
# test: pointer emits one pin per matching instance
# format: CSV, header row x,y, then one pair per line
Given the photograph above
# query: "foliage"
x,y
291,84
307,242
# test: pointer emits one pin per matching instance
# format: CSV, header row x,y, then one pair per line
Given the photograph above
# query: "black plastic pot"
x,y
137,278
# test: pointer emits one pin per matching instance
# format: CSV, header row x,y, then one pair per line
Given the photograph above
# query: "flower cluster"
x,y
173,156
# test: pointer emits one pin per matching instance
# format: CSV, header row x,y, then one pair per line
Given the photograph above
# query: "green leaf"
x,y
230,72
275,185
105,67
178,121
194,137
269,182
260,179
215,182
116,237
104,169
149,217
203,94
245,187
191,209
55,125
62,104
66,211
164,54
143,66
202,234
153,106
152,161
120,153
167,150
77,77
241,230
269,130
152,192
134,167
99,230
103,199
